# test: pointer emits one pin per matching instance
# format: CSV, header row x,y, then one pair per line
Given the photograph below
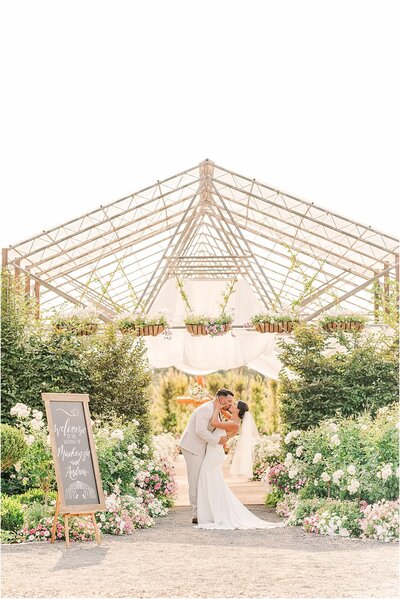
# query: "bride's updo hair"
x,y
243,408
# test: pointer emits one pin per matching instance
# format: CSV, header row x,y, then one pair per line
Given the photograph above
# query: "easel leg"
x,y
66,526
54,527
96,530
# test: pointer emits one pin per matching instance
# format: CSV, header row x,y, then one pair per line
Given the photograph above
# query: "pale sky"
x,y
100,99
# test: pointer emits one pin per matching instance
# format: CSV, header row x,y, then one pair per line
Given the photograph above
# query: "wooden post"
x,y
377,298
4,257
17,270
27,285
54,527
37,297
66,529
96,530
386,289
397,275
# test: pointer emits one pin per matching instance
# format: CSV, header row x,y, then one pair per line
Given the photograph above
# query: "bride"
x,y
217,506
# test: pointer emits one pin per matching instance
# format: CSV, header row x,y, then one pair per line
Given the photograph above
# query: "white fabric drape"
x,y
203,355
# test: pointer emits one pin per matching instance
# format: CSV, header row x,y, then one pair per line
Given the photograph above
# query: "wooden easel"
x,y
66,526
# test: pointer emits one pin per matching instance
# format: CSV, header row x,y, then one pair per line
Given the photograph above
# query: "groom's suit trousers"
x,y
193,465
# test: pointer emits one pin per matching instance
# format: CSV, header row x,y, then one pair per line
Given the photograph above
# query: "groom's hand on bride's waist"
x,y
223,440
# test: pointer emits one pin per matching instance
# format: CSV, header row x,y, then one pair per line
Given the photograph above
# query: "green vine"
x,y
226,294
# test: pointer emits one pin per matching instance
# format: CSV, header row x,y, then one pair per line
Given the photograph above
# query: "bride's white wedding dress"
x,y
217,506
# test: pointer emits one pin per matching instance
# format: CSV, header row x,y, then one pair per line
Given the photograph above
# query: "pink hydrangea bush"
x,y
80,529
124,514
380,521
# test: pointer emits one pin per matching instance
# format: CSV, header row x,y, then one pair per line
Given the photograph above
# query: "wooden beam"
x,y
386,288
37,297
350,293
27,283
4,257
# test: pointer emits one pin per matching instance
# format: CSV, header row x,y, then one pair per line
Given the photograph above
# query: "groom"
x,y
195,437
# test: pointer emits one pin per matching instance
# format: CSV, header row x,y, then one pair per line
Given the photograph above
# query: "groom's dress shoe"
x,y
194,521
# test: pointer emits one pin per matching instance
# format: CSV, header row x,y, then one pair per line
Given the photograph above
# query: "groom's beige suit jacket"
x,y
197,432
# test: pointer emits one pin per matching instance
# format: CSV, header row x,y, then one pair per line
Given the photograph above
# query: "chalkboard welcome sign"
x,y
77,471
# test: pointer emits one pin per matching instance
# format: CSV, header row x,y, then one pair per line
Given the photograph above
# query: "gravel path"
x,y
175,559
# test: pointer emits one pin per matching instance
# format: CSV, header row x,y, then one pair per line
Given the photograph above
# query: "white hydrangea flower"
x,y
353,486
325,477
288,460
351,470
387,471
117,434
292,473
288,438
29,439
317,458
333,427
17,466
299,450
37,414
335,440
337,475
344,532
20,410
36,425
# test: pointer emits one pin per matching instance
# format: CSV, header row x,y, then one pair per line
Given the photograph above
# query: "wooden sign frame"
x,y
61,507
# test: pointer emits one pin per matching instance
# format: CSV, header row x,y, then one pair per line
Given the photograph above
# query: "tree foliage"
x,y
118,377
361,375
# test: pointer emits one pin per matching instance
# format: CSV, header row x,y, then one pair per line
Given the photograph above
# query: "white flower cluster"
x,y
165,447
332,525
117,434
20,410
337,475
267,446
290,436
385,472
353,486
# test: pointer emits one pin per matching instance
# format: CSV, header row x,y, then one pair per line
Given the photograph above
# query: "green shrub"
x,y
13,446
304,508
350,459
33,360
364,376
12,514
35,512
271,499
36,495
119,378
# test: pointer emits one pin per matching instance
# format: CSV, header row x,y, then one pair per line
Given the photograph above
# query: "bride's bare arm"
x,y
231,427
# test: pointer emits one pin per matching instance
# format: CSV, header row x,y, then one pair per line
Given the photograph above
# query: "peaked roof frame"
x,y
207,222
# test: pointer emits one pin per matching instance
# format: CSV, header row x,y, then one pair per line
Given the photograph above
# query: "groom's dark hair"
x,y
224,392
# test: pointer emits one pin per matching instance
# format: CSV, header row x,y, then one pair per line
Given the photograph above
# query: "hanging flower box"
x,y
80,322
142,326
196,329
205,325
274,322
342,322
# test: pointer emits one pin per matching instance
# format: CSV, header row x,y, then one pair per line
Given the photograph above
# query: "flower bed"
x,y
340,477
138,481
